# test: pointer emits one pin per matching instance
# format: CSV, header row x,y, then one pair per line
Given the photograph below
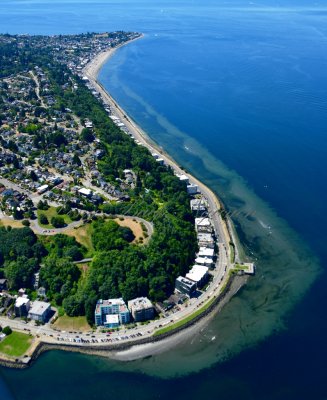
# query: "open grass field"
x,y
16,344
11,222
66,323
82,236
135,227
51,212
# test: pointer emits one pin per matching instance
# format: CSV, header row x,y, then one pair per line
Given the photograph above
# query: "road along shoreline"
x,y
214,299
91,71
139,348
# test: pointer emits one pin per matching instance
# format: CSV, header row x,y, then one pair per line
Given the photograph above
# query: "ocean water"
x,y
236,93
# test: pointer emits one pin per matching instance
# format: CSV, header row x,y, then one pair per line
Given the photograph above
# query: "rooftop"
x,y
112,319
205,252
202,222
197,273
111,302
185,281
20,301
140,303
39,307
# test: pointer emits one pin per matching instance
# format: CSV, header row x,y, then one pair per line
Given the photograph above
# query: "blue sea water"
x,y
236,92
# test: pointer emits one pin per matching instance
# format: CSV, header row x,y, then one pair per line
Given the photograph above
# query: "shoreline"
x,y
138,349
91,71
212,303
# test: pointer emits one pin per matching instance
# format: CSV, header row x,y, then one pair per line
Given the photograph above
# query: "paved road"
x,y
220,273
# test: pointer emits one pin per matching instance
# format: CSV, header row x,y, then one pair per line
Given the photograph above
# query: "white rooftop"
x,y
203,260
86,192
20,301
206,252
112,319
183,177
202,222
197,273
43,187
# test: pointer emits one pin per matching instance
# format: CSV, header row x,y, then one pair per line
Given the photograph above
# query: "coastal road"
x,y
220,272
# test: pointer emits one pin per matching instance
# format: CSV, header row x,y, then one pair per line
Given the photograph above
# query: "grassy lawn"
x,y
239,267
66,323
52,212
82,236
185,320
134,226
232,254
13,223
16,344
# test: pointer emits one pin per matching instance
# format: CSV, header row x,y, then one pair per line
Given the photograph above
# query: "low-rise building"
x,y
203,225
22,306
185,286
198,274
40,311
42,189
206,252
206,240
141,309
85,192
192,188
111,307
184,178
206,261
198,205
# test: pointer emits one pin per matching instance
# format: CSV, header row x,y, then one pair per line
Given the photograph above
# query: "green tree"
x,y
43,219
87,135
20,272
7,330
58,222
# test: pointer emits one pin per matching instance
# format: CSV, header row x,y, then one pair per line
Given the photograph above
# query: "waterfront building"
x,y
206,252
185,286
192,188
141,309
184,178
206,261
198,205
198,274
111,307
203,225
40,311
206,240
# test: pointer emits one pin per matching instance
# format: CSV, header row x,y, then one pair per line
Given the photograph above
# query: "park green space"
x,y
83,236
16,344
50,213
